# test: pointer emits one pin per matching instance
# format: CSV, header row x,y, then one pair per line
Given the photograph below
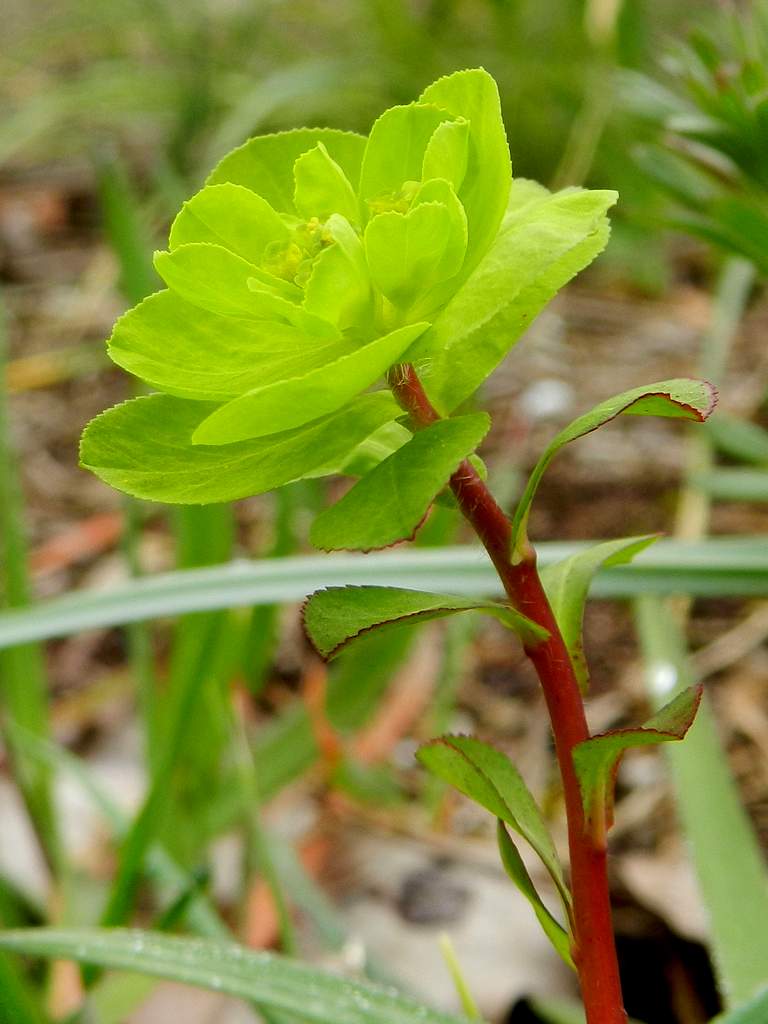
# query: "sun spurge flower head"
x,y
312,262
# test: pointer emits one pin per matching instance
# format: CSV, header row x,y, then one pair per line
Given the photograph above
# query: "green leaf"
x,y
389,503
484,191
265,978
596,760
681,398
447,151
567,584
192,353
322,188
439,190
544,241
339,288
335,617
488,777
395,151
406,251
143,447
265,164
216,279
517,871
301,399
232,216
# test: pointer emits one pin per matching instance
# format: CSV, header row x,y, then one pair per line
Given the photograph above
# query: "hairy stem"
x,y
594,947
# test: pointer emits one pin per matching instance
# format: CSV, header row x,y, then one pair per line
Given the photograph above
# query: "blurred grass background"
x,y
111,114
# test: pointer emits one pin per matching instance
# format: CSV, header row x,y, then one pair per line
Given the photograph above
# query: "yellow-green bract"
x,y
313,261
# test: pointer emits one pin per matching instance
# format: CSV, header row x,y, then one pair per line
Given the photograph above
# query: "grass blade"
x,y
273,981
723,566
728,861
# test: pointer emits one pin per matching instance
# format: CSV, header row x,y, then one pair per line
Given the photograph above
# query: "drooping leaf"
x,y
488,777
144,447
567,585
517,871
322,188
395,150
232,216
405,251
333,618
596,760
473,95
192,353
447,151
267,979
216,279
293,402
389,503
544,241
681,399
265,164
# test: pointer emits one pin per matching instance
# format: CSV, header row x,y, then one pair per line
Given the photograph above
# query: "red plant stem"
x,y
594,947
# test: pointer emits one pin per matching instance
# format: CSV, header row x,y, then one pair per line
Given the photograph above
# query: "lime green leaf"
x,y
567,585
291,403
322,188
191,353
484,191
232,216
405,251
335,617
396,147
339,288
270,980
438,190
216,279
596,760
544,241
370,452
681,398
143,447
265,164
488,777
517,871
446,152
389,504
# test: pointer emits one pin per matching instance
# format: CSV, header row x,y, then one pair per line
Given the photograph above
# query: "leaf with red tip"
x,y
682,398
335,617
596,760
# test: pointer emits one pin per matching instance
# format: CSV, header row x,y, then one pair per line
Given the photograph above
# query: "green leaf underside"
x,y
335,617
680,398
567,585
292,403
232,216
270,980
517,871
144,447
597,759
488,777
473,94
544,241
192,353
389,503
265,164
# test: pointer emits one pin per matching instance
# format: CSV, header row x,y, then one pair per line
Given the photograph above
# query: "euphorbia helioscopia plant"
x,y
332,301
